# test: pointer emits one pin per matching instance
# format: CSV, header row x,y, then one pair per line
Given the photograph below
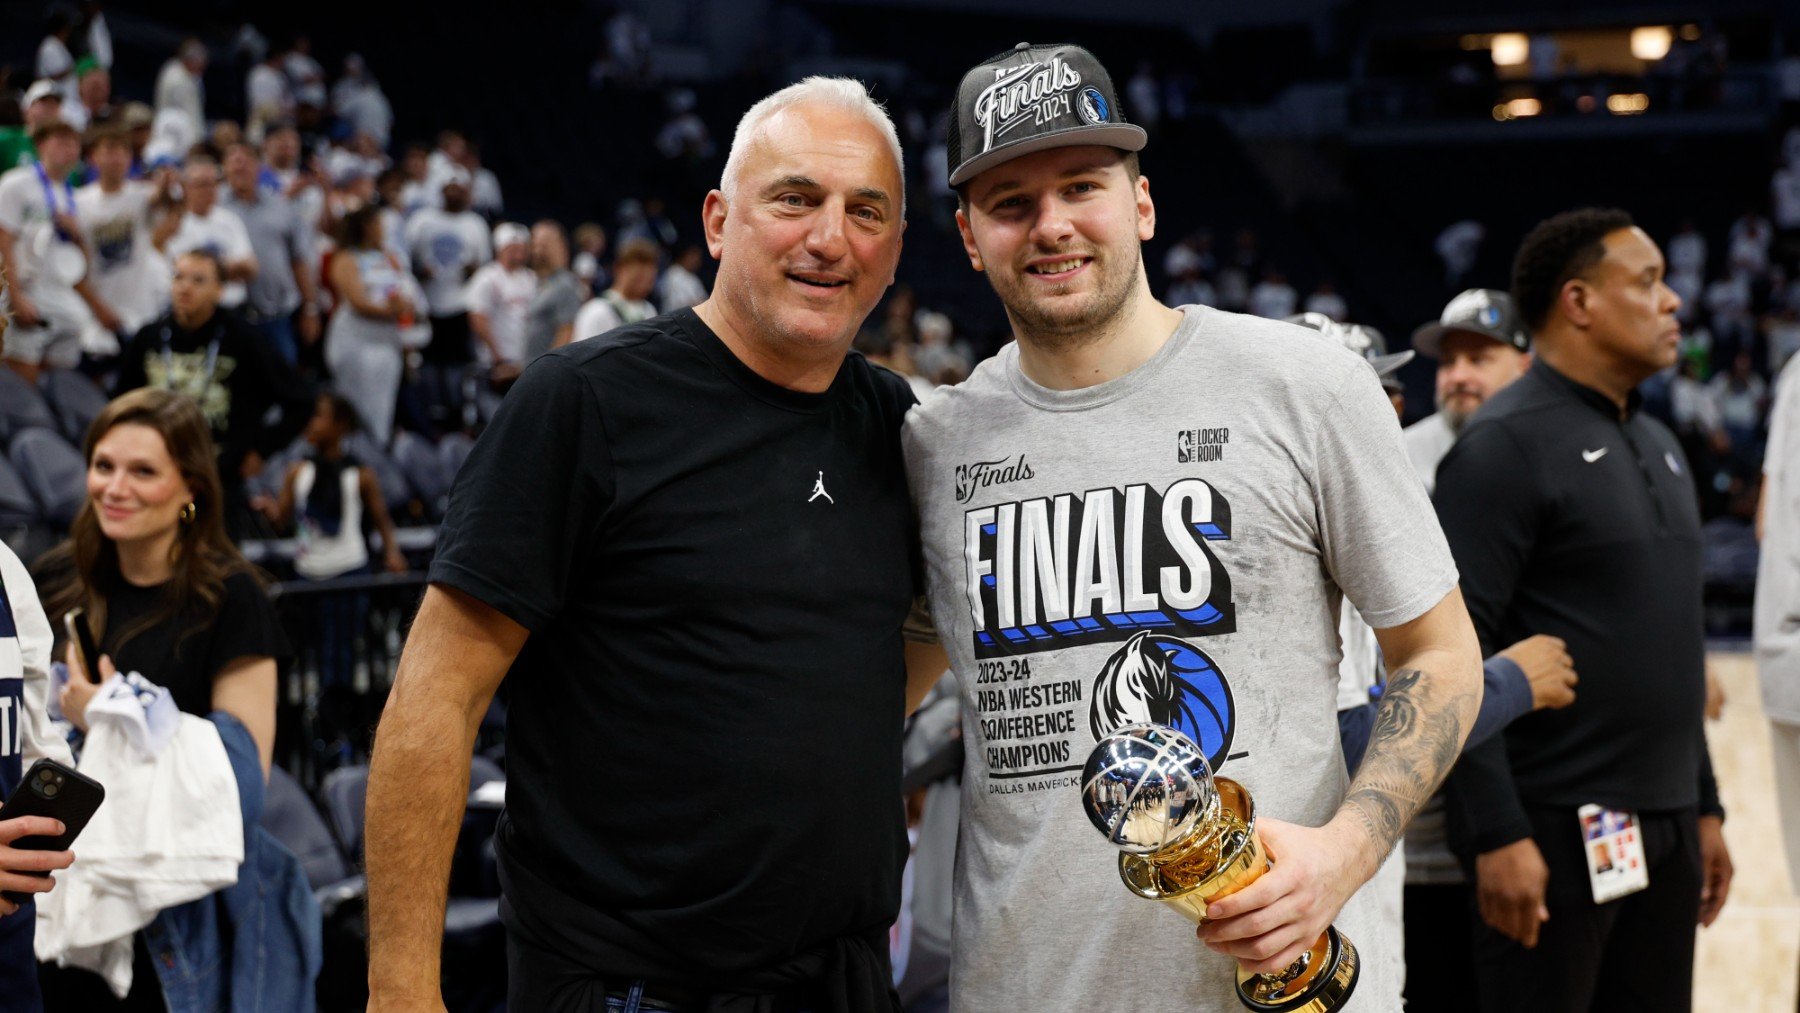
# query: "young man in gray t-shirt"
x,y
1139,511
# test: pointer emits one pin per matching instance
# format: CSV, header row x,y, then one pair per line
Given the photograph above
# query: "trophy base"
x,y
1325,978
1216,865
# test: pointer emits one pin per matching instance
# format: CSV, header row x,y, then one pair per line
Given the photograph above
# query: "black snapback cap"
x,y
1031,98
1488,312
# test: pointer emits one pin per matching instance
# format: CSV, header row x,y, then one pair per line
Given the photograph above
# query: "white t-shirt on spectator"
x,y
55,63
1739,406
447,243
25,214
177,88
127,271
308,78
221,231
1748,246
680,289
1687,253
1784,194
1274,300
267,95
1728,299
503,297
485,194
606,311
1329,303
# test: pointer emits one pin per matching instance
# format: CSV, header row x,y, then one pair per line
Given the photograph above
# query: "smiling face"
x,y
135,486
810,237
1058,234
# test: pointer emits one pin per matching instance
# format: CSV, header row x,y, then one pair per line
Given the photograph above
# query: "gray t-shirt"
x,y
1197,519
279,240
555,304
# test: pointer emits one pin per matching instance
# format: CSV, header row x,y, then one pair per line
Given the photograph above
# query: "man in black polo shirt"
x,y
1571,513
689,541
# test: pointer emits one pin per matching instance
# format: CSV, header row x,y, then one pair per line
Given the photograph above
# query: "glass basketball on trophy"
x,y
1187,838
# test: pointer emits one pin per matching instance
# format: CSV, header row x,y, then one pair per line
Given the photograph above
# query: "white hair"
x,y
847,94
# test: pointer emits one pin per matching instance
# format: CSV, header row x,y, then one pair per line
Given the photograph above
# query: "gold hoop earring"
x,y
189,512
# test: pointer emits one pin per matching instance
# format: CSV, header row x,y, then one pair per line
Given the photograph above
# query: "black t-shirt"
x,y
245,626
703,733
234,374
1566,518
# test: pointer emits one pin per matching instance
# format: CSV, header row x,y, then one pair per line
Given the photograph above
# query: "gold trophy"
x,y
1188,838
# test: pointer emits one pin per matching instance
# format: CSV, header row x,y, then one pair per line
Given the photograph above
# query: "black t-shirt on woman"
x,y
703,737
246,626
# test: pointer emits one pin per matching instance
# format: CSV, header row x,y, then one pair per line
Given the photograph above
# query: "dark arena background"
x,y
1363,158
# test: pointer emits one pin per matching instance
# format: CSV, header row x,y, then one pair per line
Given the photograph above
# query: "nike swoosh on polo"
x,y
1590,456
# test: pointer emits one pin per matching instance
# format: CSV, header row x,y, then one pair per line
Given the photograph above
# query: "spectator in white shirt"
x,y
54,62
681,286
1748,246
1325,299
305,74
99,36
179,85
267,96
43,258
498,297
1687,250
115,215
1784,197
199,223
1741,396
626,302
1273,297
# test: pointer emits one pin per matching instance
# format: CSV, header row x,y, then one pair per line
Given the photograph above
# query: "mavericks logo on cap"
x,y
1030,92
1091,106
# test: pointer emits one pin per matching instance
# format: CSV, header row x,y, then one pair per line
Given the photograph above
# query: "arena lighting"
x,y
1627,104
1510,49
1652,44
1517,108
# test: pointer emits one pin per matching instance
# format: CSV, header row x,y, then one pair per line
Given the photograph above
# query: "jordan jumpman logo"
x,y
819,490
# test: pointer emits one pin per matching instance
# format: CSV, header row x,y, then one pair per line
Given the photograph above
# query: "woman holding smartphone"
x,y
168,596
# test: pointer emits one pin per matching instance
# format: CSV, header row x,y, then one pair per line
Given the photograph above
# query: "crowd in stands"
x,y
256,263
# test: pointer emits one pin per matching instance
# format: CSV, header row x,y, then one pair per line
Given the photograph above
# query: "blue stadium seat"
x,y
343,793
54,473
453,450
424,470
22,407
294,821
17,508
394,487
74,400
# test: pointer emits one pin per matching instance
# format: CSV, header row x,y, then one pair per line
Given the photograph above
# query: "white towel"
x,y
170,831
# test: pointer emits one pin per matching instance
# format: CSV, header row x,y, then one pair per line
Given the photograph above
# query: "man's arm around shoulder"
x,y
457,653
1426,711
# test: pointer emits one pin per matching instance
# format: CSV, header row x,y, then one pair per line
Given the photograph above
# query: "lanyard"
x,y
197,390
50,200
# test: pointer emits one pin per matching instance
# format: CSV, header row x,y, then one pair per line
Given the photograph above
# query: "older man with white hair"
x,y
689,541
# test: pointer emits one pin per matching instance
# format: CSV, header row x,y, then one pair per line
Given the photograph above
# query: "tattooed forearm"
x,y
1418,734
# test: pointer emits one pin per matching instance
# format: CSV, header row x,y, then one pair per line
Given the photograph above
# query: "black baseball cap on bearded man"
x,y
1031,98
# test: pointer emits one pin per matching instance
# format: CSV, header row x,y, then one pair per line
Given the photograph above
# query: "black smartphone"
x,y
59,792
82,636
